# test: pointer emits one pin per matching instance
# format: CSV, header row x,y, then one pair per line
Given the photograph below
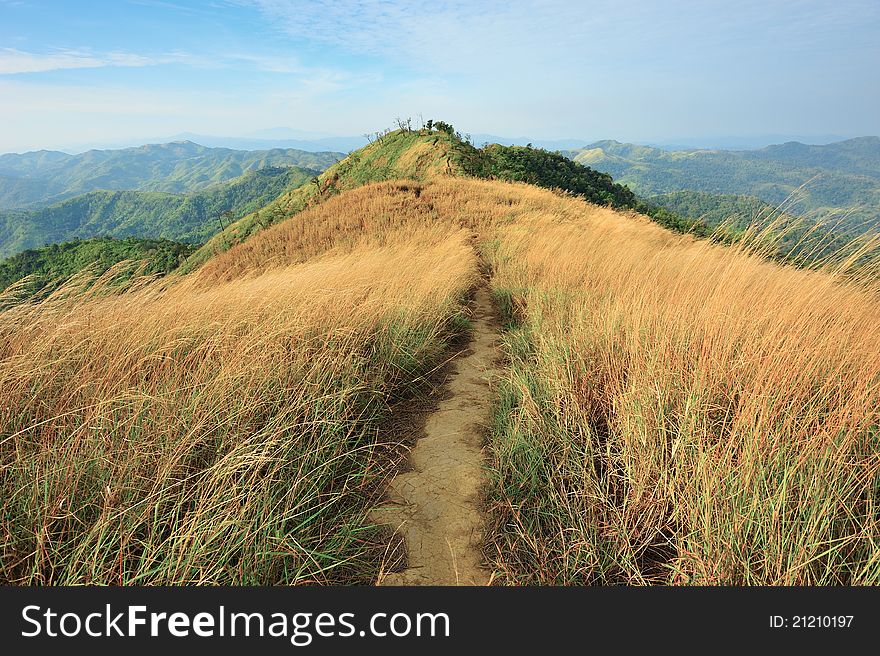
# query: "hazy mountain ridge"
x,y
837,179
44,177
190,217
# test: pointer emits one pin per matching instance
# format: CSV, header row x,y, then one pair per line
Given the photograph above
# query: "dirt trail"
x,y
435,505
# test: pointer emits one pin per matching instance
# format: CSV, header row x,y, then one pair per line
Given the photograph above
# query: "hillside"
x,y
191,218
716,209
43,177
427,154
49,267
401,154
632,405
794,238
838,180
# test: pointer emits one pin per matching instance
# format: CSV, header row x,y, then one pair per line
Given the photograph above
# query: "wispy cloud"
x,y
14,61
415,32
463,35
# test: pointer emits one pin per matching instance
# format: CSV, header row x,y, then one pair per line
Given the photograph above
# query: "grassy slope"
x,y
717,425
674,410
191,218
398,155
217,434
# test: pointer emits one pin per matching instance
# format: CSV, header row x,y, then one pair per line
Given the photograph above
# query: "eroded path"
x,y
435,506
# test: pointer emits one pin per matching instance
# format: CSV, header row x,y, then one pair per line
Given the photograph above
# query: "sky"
x,y
632,70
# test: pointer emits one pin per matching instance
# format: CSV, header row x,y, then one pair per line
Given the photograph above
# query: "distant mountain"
x,y
273,139
840,180
182,217
43,177
721,142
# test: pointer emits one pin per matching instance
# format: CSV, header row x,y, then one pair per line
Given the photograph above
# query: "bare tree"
x,y
228,215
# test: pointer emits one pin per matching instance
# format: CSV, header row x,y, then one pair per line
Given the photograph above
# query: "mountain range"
x,y
191,217
44,177
839,182
179,190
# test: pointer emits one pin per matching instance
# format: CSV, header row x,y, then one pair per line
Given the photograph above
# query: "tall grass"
x,y
682,412
222,434
386,213
672,411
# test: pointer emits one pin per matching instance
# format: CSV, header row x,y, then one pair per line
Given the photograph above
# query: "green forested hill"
x,y
838,179
43,177
798,237
190,218
716,209
555,171
546,169
48,267
859,156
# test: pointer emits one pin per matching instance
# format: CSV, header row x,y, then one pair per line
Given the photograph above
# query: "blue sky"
x,y
633,70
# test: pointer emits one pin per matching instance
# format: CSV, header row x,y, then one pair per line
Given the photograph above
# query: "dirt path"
x,y
435,506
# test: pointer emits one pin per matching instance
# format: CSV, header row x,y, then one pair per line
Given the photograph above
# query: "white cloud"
x,y
14,61
464,36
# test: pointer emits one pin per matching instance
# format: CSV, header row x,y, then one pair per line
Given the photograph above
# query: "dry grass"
x,y
681,412
673,411
395,212
214,435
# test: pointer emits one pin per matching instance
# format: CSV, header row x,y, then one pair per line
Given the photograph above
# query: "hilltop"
x,y
428,154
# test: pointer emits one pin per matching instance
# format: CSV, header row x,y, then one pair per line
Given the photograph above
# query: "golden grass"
x,y
184,434
682,412
673,411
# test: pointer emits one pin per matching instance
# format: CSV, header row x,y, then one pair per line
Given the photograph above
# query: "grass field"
x,y
678,412
223,435
671,411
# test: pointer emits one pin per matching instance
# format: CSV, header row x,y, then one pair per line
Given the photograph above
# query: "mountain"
x,y
272,139
603,400
838,180
44,177
427,154
190,217
727,142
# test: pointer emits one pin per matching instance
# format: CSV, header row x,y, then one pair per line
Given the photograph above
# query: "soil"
x,y
434,505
